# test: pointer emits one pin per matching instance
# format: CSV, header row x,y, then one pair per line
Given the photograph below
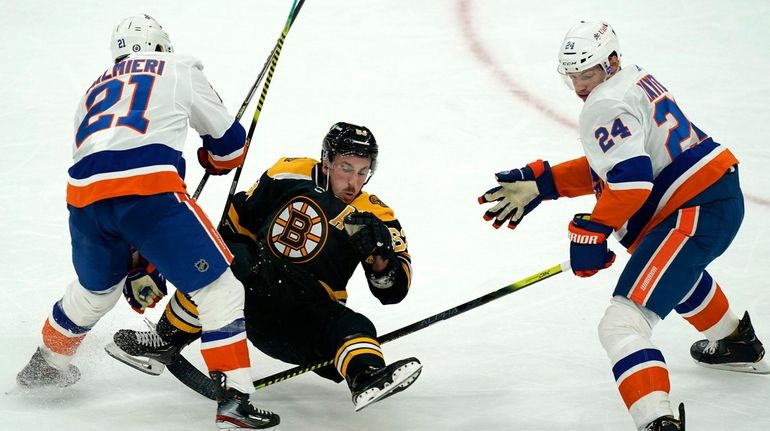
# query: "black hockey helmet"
x,y
348,139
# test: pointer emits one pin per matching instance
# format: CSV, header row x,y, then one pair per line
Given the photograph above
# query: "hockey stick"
x,y
197,381
238,116
272,61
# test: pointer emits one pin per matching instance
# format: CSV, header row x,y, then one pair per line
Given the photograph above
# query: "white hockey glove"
x,y
144,286
519,192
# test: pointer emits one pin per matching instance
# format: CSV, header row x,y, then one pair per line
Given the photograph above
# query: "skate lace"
x,y
148,338
711,347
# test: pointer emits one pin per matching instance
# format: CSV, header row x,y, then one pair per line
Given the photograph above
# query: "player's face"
x,y
347,174
584,82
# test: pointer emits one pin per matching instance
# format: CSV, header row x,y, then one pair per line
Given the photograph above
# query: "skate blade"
x,y
760,367
404,377
145,365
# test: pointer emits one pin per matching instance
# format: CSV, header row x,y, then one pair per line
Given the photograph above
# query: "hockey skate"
x,y
740,351
38,373
375,384
234,412
144,350
668,423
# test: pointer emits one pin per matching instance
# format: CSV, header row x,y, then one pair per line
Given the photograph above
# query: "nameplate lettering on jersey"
x,y
652,88
131,66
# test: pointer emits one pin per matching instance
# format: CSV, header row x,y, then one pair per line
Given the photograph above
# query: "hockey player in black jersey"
x,y
297,237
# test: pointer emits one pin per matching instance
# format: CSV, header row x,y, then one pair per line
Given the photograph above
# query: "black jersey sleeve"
x,y
392,284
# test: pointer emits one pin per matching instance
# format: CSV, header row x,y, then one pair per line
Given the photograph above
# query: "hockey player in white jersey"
x,y
670,194
126,192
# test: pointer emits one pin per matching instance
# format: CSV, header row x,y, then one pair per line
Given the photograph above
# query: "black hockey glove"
x,y
369,235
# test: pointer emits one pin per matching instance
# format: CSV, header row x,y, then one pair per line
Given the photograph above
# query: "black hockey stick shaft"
x,y
424,323
272,59
296,7
197,381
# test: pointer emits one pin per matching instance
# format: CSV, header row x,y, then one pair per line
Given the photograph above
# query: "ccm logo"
x,y
583,239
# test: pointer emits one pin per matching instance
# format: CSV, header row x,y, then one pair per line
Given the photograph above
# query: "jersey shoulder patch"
x,y
299,168
373,204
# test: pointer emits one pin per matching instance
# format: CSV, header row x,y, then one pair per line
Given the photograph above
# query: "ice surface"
x,y
454,90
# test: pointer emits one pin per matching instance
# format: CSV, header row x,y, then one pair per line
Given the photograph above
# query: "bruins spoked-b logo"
x,y
299,230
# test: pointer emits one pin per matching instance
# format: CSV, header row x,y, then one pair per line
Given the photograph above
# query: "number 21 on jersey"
x,y
108,94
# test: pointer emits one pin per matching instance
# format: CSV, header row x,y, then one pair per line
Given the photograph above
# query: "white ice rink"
x,y
454,90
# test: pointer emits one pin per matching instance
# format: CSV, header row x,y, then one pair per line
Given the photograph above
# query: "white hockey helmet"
x,y
586,45
139,33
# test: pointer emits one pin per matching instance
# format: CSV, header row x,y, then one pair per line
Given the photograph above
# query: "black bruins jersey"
x,y
291,214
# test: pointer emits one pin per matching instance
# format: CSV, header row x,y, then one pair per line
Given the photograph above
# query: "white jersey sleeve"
x,y
206,114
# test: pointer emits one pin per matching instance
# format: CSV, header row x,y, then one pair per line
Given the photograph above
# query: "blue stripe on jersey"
x,y
122,160
62,320
633,170
698,295
232,140
662,183
634,359
233,328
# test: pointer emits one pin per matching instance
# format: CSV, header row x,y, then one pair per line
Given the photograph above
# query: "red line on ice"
x,y
518,90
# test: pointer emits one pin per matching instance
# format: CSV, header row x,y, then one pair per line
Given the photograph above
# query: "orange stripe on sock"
x,y
228,357
712,313
644,382
58,342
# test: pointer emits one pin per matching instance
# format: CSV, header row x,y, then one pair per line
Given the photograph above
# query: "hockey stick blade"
x,y
197,381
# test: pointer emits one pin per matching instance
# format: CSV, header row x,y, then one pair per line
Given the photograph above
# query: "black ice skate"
x,y
38,373
234,412
668,423
144,350
740,351
375,384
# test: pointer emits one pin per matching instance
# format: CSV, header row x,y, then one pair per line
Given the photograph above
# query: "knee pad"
x,y
219,303
625,322
84,307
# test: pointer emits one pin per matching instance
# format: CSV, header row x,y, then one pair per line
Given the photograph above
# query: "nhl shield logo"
x,y
298,232
202,265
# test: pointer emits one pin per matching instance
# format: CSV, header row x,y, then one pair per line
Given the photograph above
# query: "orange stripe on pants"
x,y
644,382
58,342
712,313
228,357
663,256
204,220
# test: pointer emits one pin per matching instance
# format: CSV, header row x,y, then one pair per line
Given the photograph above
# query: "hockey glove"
x,y
369,235
588,253
205,161
385,278
519,192
144,286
